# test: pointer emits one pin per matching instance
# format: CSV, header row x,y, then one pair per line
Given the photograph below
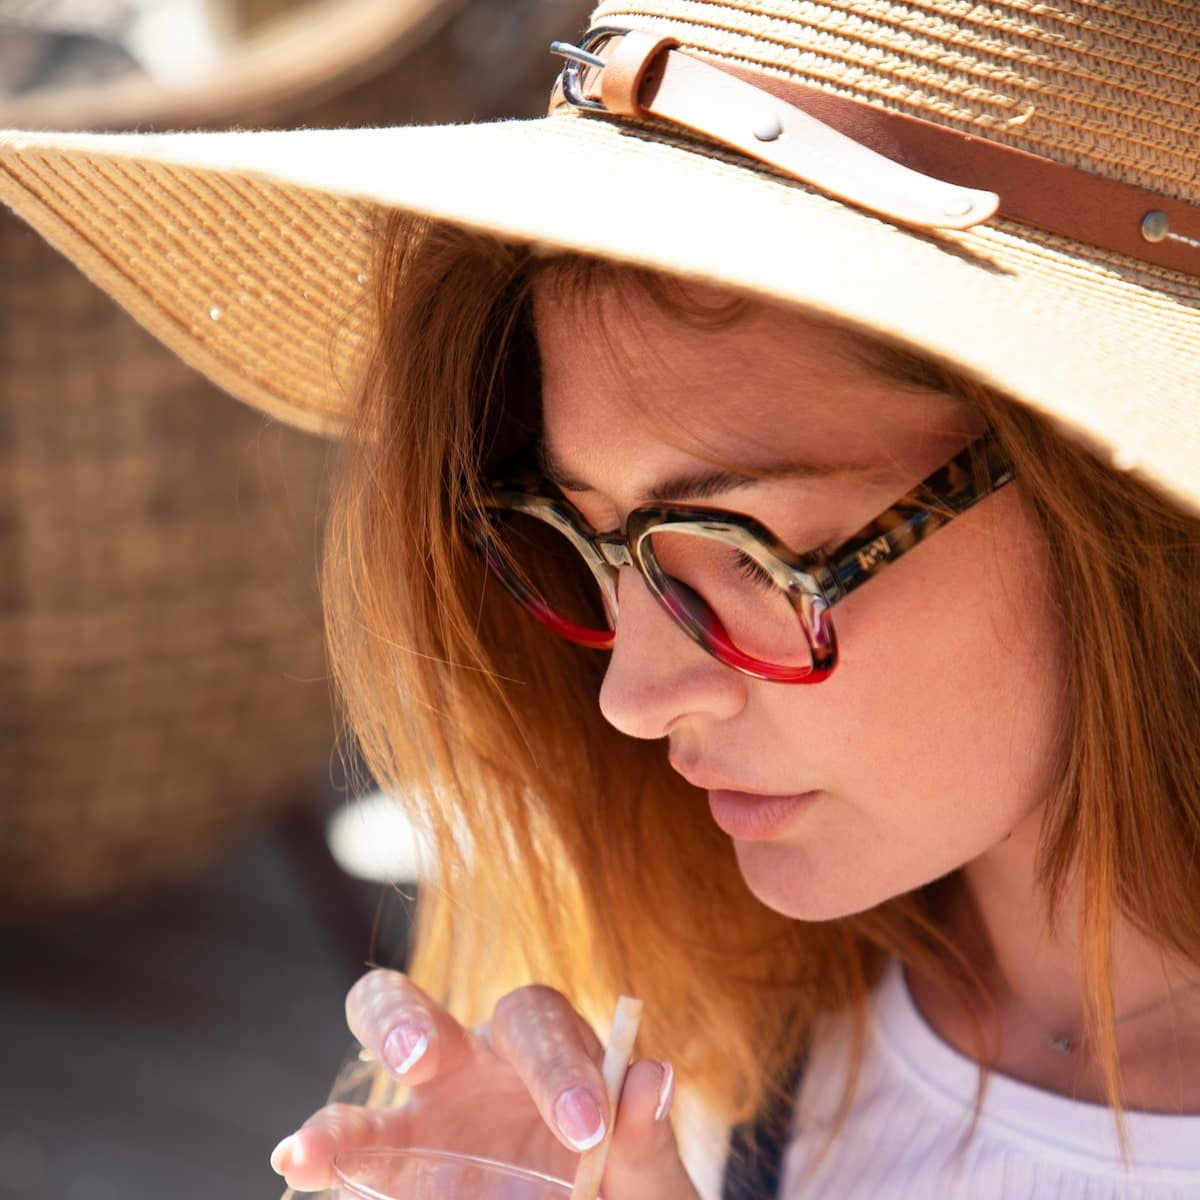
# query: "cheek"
x,y
939,733
956,663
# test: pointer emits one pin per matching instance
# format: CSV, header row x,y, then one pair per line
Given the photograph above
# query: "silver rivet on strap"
x,y
960,207
1156,225
767,127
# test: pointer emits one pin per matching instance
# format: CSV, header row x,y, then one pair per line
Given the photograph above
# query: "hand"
x,y
528,1092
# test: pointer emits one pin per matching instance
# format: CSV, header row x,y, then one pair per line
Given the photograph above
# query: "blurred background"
x,y
184,891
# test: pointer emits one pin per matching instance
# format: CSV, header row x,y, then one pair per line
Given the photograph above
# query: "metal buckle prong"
x,y
579,56
575,54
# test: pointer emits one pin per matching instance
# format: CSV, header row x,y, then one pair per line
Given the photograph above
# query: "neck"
x,y
1033,974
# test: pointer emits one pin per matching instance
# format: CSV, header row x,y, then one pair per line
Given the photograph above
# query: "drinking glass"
x,y
436,1175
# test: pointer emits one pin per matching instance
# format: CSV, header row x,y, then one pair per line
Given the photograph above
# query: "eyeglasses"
x,y
729,583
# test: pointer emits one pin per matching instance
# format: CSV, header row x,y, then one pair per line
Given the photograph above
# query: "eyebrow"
x,y
701,484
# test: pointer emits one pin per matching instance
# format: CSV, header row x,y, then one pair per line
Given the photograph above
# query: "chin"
x,y
784,878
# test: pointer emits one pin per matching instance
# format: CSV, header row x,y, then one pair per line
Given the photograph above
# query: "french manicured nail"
x,y
666,1091
279,1155
404,1048
579,1119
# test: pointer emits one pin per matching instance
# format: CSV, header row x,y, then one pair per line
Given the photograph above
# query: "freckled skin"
x,y
935,740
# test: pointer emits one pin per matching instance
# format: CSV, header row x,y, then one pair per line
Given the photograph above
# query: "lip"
x,y
752,817
713,780
745,814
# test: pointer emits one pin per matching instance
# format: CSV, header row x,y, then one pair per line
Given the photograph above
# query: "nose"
x,y
657,677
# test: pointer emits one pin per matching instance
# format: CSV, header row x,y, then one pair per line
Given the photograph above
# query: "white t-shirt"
x,y
914,1106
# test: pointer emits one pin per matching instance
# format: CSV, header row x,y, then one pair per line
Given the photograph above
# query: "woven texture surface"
x,y
161,668
277,229
1048,78
162,675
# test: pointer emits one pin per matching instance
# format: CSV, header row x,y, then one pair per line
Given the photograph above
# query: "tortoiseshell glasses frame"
x,y
812,583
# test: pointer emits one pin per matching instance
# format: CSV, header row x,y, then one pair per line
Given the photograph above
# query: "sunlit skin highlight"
x,y
936,737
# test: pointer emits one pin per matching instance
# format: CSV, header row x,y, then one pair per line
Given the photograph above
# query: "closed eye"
x,y
754,571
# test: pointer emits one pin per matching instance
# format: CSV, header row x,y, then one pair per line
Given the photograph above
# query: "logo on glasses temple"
x,y
873,553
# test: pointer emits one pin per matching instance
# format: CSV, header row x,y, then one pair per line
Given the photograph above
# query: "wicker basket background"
x,y
162,681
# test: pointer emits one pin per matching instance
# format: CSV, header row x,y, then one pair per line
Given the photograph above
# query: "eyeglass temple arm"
x,y
967,478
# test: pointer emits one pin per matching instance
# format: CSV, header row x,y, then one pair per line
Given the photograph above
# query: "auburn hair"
x,y
570,854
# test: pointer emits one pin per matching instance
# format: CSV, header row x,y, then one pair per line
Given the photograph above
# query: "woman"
x,y
939,926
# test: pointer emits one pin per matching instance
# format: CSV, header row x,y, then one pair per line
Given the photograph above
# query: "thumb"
x,y
643,1160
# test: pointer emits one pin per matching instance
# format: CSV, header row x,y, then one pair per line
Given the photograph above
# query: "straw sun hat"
x,y
1013,186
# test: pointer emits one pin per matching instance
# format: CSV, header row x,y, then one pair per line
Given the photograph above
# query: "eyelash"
x,y
754,571
758,574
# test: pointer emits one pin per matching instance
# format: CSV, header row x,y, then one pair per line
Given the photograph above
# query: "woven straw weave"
x,y
1101,341
162,678
1030,88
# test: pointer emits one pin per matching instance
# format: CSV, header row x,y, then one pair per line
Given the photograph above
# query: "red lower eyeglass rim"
x,y
716,642
714,637
581,635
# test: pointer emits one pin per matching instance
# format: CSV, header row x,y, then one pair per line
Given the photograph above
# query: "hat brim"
x,y
248,254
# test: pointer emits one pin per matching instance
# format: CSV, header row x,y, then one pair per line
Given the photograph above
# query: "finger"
x,y
414,1037
556,1055
643,1159
305,1159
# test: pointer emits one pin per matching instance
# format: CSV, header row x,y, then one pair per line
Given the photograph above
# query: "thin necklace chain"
x,y
1063,1044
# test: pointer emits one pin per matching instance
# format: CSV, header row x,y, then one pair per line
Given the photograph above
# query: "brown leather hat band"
x,y
906,169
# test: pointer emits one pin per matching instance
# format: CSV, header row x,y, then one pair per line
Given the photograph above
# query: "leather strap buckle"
x,y
580,56
901,167
645,75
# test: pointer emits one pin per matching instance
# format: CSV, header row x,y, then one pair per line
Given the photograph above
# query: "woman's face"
x,y
935,739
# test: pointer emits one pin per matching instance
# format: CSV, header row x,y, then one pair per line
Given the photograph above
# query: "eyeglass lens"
x,y
546,566
707,583
754,612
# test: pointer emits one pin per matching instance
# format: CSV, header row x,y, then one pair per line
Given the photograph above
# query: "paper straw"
x,y
616,1062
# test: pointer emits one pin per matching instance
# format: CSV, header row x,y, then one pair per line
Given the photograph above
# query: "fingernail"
x,y
404,1048
579,1119
279,1155
666,1091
